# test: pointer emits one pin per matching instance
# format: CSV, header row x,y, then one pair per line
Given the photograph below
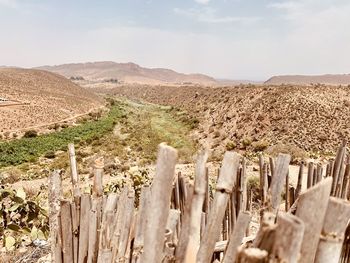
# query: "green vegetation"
x,y
253,186
230,146
141,128
30,149
260,146
22,219
130,131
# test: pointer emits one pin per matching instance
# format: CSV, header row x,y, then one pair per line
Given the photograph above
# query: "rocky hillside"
x,y
41,97
310,118
321,79
127,73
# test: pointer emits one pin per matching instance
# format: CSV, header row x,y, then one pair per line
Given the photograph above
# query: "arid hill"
x,y
328,79
35,97
311,118
127,73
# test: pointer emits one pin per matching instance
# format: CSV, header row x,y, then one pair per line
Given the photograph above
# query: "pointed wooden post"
x,y
311,208
200,188
236,237
159,204
226,181
55,192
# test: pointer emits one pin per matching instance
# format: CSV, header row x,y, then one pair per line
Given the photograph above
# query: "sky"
x,y
231,39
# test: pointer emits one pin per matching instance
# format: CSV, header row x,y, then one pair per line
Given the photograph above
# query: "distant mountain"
x,y
329,79
230,82
127,73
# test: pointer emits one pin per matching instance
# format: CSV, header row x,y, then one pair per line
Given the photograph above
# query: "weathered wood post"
x,y
236,237
159,204
55,192
311,208
200,188
332,237
224,187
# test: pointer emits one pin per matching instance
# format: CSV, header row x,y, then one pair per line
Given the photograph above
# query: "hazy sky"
x,y
241,39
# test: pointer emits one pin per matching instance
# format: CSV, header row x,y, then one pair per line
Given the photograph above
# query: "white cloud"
x,y
202,2
284,5
306,38
9,3
209,15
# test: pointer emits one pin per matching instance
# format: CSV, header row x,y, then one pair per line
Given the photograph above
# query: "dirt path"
x,y
57,122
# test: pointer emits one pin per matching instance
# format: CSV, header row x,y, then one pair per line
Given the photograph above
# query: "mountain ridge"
x,y
127,72
328,79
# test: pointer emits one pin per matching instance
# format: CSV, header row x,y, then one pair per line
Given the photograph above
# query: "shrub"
x,y
7,134
260,146
230,146
50,155
246,141
30,134
296,153
253,186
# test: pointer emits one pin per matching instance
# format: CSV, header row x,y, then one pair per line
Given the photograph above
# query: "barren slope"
x,y
328,79
312,118
45,97
126,72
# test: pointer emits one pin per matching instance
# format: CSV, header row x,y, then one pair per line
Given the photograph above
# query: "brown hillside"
x,y
321,79
127,72
41,97
312,118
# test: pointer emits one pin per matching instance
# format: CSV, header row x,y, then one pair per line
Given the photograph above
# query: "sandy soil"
x,y
45,97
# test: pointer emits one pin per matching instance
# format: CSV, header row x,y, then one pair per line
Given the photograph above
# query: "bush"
x,y
230,146
30,134
253,186
50,155
246,141
296,153
260,146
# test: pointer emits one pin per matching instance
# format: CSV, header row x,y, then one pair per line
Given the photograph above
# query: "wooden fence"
x,y
179,221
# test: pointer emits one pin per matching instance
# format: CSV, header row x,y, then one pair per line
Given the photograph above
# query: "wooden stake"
x,y
66,226
196,207
236,237
74,171
93,228
84,228
332,237
55,192
252,255
288,238
310,174
224,187
141,224
274,193
311,208
97,189
159,204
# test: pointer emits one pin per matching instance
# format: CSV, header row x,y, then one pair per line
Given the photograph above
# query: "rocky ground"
x,y
298,119
44,98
